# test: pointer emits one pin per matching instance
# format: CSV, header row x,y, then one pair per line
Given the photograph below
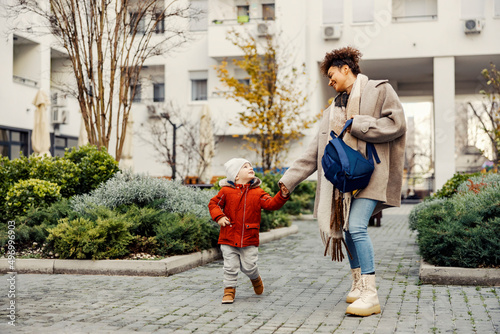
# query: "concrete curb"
x,y
166,267
430,274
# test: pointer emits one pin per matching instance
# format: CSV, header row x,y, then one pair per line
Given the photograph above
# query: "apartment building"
x,y
431,51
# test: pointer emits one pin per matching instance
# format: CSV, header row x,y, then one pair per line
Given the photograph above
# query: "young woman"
x,y
378,118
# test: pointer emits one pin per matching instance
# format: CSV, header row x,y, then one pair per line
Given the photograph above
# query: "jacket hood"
x,y
256,182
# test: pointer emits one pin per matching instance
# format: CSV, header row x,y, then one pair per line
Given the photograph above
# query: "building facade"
x,y
431,51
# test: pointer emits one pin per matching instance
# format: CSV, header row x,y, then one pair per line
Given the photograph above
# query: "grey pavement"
x,y
304,293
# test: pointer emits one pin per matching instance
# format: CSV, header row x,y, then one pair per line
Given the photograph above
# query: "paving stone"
x,y
304,293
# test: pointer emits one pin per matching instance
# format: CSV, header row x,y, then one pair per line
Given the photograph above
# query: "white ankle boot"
x,y
368,303
355,287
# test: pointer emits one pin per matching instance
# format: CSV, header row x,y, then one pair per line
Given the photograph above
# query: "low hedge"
x,y
462,230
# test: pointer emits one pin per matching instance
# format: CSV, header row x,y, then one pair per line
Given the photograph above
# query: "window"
x,y
13,142
199,90
472,9
136,26
160,23
268,11
199,23
362,11
244,81
243,13
333,11
198,85
414,9
26,68
137,89
61,143
158,92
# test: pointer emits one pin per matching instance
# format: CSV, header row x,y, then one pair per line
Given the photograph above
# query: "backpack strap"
x,y
341,152
371,152
348,123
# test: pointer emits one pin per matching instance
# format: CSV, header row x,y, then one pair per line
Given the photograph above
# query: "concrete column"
x,y
444,120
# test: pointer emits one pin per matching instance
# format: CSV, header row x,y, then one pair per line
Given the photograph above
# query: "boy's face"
x,y
245,175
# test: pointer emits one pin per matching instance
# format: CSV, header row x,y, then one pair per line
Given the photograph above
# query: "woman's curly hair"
x,y
344,56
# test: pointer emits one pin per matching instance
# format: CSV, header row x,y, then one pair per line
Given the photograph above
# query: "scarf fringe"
x,y
333,247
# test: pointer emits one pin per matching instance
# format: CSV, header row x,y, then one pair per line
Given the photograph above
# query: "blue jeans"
x,y
357,239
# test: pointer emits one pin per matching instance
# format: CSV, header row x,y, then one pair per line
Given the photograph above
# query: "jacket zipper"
x,y
244,213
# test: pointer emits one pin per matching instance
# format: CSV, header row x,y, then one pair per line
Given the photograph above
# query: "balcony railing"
x,y
406,18
25,81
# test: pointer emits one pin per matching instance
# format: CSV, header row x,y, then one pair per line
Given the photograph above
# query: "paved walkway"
x,y
304,293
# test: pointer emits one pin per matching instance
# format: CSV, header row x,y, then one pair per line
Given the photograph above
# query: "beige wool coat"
x,y
380,121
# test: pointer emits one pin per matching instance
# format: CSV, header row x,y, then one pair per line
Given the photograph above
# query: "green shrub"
x,y
30,193
60,171
140,244
96,165
463,230
127,189
274,219
145,219
48,215
83,239
180,235
450,187
25,235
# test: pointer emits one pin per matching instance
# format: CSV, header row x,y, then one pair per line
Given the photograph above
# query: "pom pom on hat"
x,y
233,167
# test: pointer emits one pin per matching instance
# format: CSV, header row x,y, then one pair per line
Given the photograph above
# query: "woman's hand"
x,y
223,221
284,190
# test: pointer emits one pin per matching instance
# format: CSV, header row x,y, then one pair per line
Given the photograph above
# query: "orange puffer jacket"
x,y
242,205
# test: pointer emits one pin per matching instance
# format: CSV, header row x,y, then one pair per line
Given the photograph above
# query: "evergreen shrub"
x,y
274,219
82,238
464,229
185,234
30,193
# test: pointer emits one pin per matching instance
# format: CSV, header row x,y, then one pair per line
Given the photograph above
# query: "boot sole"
x,y
363,312
227,301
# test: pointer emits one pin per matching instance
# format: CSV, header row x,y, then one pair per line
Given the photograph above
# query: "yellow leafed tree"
x,y
273,96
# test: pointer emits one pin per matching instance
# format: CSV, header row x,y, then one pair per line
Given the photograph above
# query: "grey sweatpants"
x,y
239,258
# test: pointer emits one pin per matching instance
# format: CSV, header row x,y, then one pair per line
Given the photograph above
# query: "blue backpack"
x,y
345,167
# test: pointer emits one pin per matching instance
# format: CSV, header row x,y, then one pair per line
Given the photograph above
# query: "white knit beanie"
x,y
233,167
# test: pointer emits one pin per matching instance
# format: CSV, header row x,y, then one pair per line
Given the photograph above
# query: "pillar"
x,y
444,120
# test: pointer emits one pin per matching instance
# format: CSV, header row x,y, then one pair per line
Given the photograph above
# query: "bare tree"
x,y
159,133
108,43
489,115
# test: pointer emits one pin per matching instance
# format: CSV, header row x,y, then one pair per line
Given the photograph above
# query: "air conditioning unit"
x,y
59,115
473,26
265,29
332,31
58,99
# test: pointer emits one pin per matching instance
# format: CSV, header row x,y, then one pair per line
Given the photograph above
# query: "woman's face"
x,y
339,78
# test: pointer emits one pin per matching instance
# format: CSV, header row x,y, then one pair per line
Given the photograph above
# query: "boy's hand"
x,y
284,190
223,221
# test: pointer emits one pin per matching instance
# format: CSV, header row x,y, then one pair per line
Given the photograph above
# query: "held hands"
x,y
224,221
284,190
